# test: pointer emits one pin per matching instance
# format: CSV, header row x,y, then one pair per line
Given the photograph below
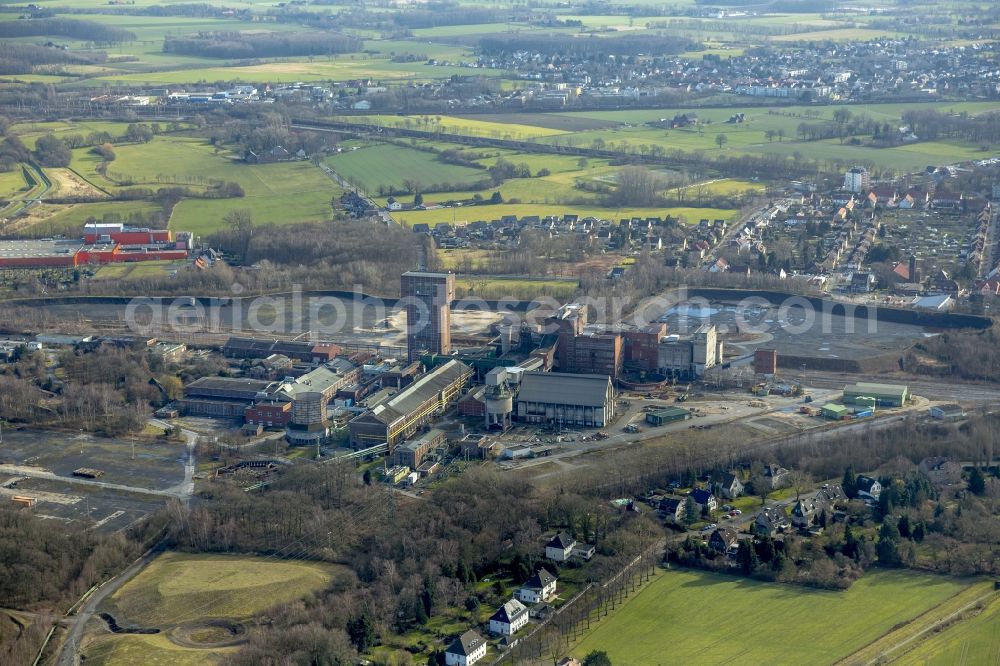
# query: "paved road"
x,y
69,652
185,488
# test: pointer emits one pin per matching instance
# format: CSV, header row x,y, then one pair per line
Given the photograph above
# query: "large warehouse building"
x,y
393,421
566,399
885,395
101,244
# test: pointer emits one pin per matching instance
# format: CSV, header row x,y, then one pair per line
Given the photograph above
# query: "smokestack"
x,y
913,268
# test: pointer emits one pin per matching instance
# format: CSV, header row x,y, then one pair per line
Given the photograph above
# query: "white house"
x,y
869,488
560,548
509,618
392,204
540,587
466,650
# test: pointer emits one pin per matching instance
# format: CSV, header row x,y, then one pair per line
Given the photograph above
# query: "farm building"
x,y
885,395
667,415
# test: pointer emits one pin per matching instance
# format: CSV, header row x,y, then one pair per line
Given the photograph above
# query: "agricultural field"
x,y
765,130
279,193
466,126
12,183
386,165
523,289
198,603
669,617
968,642
464,215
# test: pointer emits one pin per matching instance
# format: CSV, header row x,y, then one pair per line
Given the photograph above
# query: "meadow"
x,y
627,130
278,193
389,165
12,183
182,593
180,588
699,617
151,650
972,641
464,215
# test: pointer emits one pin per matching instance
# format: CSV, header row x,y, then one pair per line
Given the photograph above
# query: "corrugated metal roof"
x,y
564,389
884,389
420,391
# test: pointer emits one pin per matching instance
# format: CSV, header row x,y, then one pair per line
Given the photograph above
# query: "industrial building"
x,y
427,299
101,244
399,417
667,415
300,350
310,395
688,358
582,351
884,395
834,411
223,397
411,454
566,399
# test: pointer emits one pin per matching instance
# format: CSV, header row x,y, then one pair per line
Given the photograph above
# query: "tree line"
x,y
24,58
241,45
598,49
88,31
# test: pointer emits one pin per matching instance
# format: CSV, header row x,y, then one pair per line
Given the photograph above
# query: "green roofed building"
x,y
833,411
667,415
885,395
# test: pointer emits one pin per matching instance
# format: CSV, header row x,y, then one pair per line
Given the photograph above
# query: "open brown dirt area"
x,y
66,183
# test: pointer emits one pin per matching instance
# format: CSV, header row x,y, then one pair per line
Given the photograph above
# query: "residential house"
x,y
560,547
776,474
392,204
729,485
723,539
466,650
941,470
803,512
705,498
868,488
583,551
672,509
769,522
509,618
538,588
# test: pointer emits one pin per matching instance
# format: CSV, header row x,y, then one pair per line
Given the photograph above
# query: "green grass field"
x,y
179,588
150,650
468,214
279,193
12,183
390,165
703,618
970,642
521,289
29,132
68,219
459,125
